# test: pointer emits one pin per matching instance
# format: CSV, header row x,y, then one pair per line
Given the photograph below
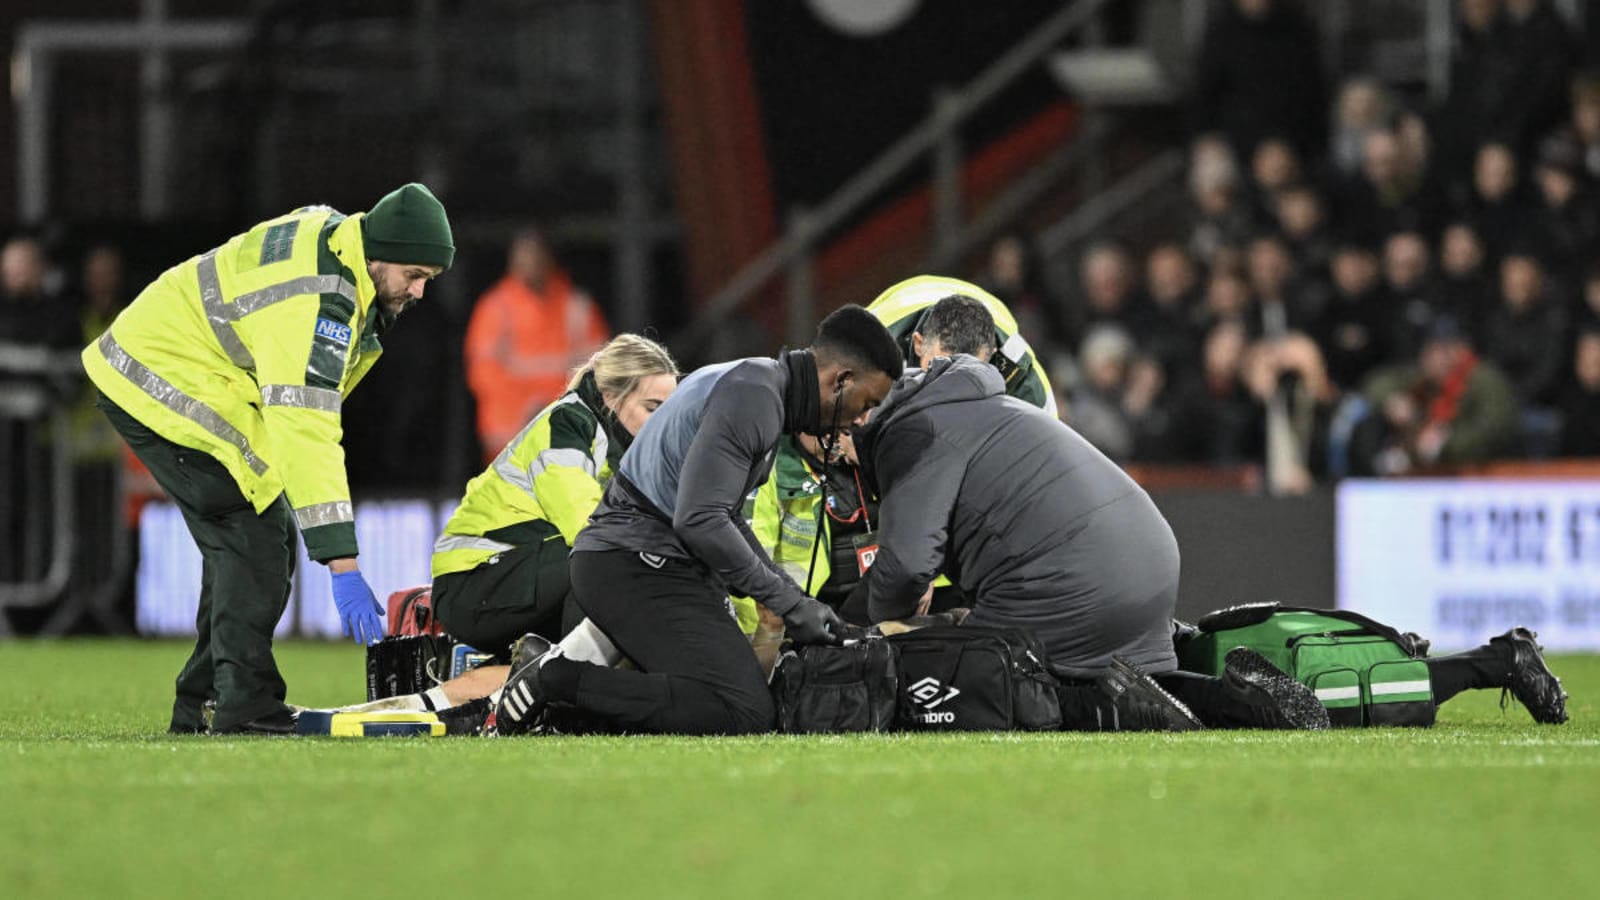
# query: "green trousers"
x,y
521,590
247,569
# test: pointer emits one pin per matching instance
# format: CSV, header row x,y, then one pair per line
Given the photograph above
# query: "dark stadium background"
x,y
663,145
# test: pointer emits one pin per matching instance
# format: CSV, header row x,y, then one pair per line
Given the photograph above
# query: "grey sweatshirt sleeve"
x,y
755,544
920,479
742,421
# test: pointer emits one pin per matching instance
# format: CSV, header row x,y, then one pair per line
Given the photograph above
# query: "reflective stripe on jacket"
x,y
900,309
551,474
246,352
784,517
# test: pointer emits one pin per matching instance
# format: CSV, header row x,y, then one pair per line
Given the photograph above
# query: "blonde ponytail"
x,y
623,362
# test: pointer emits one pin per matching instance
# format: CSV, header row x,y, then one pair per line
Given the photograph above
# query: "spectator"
x,y
104,293
1010,274
1304,224
1288,378
1413,302
31,313
1280,302
1565,222
1227,299
1586,119
1259,75
527,333
1415,139
1274,165
1580,400
1525,334
1541,52
1353,329
1114,405
1497,205
1172,285
1479,106
1109,297
1589,308
1390,195
1362,108
1219,216
1416,144
98,451
1463,287
1216,420
1447,408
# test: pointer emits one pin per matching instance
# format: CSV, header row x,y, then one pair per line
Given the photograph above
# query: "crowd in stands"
x,y
1365,285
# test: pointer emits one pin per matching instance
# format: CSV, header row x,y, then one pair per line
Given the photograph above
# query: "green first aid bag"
x,y
1364,672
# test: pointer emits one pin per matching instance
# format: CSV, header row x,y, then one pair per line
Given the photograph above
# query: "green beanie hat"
x,y
409,226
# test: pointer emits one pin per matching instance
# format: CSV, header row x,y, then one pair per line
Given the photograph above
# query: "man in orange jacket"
x,y
527,333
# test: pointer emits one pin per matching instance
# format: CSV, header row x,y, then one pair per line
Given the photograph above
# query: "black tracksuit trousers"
x,y
696,674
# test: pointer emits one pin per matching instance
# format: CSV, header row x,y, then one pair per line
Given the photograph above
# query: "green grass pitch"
x,y
98,802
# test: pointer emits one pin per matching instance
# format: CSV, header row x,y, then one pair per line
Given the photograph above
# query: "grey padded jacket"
x,y
1040,529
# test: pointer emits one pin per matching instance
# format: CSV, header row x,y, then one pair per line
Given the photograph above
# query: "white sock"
x,y
494,696
434,699
589,644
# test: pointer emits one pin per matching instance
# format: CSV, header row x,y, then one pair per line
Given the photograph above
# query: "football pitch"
x,y
98,801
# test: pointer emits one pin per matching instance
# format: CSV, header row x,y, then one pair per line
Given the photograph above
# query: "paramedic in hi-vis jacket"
x,y
226,377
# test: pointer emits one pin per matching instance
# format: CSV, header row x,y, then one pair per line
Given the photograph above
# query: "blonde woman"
x,y
500,568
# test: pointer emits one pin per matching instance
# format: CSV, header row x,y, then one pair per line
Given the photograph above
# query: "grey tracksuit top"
x,y
1043,530
694,461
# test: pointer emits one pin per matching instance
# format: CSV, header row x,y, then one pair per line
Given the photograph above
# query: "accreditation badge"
x,y
866,547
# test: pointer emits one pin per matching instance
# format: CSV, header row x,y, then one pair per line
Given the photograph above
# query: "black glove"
x,y
813,622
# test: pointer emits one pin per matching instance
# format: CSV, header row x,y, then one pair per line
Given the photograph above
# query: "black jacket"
x,y
1530,346
1043,530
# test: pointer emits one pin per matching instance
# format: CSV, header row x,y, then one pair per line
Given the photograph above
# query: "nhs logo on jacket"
x,y
333,331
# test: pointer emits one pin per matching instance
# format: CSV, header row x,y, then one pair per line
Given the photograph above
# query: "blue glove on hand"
x,y
359,612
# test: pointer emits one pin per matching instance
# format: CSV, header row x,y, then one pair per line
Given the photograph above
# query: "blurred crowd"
x,y
48,312
1365,284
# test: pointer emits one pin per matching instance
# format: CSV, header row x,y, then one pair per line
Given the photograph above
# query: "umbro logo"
x,y
930,692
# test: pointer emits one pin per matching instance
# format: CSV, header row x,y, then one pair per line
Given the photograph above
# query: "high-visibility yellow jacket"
x,y
784,516
543,486
900,309
246,352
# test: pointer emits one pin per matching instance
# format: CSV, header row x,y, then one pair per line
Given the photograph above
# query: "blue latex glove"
x,y
359,612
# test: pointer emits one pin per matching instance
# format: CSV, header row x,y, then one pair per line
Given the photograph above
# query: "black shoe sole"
x,y
249,730
1531,677
1295,702
275,725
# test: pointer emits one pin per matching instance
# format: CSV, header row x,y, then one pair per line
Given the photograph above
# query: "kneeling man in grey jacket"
x,y
1043,533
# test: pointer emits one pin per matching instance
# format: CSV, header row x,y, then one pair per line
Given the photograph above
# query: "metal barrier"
x,y
51,498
